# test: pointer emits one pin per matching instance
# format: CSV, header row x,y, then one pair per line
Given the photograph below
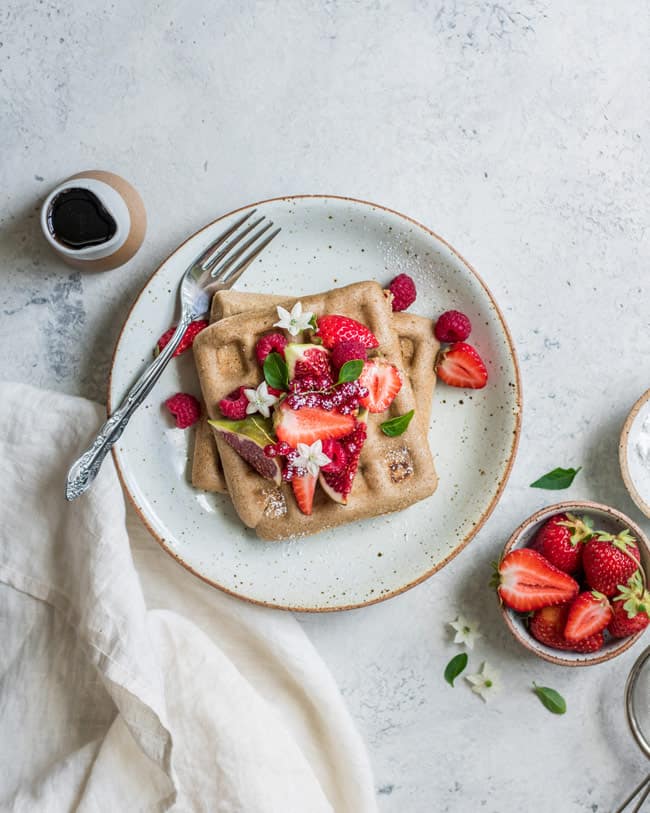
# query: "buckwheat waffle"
x,y
417,343
393,472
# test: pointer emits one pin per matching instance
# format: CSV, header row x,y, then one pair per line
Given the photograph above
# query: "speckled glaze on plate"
x,y
606,519
325,242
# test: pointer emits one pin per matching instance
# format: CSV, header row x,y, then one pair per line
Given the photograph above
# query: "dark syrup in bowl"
x,y
76,218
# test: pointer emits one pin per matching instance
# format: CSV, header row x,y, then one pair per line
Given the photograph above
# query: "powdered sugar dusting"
x,y
276,505
399,464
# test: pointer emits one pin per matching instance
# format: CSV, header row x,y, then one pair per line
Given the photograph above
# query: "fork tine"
x,y
239,269
209,251
219,273
210,263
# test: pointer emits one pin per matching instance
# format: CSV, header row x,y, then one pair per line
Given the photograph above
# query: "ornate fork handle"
x,y
85,468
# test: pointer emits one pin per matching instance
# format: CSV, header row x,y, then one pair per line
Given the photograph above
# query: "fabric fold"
x,y
130,684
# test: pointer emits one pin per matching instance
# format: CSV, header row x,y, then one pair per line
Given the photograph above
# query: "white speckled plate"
x,y
325,242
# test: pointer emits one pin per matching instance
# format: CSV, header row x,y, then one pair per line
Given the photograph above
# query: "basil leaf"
x,y
455,666
551,699
350,371
396,426
275,371
556,479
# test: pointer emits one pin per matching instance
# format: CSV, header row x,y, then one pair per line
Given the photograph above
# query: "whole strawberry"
x,y
609,561
631,609
560,540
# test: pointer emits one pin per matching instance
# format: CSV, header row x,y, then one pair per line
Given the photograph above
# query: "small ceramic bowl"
x,y
627,455
606,519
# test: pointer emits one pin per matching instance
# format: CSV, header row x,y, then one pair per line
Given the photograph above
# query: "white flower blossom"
x,y
260,400
311,457
466,631
486,682
296,321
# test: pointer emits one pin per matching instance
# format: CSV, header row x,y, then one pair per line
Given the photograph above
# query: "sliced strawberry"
x,y
338,485
461,366
303,489
589,613
383,381
526,581
591,644
334,329
547,625
309,424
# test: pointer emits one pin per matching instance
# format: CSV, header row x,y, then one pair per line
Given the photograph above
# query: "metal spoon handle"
x,y
84,470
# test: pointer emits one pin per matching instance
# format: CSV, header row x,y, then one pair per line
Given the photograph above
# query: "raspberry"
x,y
193,330
185,409
271,343
337,455
403,290
234,405
452,326
347,351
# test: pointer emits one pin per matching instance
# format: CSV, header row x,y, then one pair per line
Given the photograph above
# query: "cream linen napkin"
x,y
125,683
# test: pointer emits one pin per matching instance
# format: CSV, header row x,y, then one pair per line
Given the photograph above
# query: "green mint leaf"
x,y
350,371
313,323
275,371
455,666
556,479
551,699
396,426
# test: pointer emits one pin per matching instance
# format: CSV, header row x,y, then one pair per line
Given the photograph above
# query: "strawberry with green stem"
x,y
559,540
610,560
631,608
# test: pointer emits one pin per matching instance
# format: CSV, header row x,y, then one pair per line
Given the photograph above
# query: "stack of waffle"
x,y
393,472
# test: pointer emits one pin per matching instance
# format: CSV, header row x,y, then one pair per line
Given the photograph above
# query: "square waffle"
x,y
417,343
393,472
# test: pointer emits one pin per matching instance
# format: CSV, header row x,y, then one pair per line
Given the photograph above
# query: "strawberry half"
x,y
383,381
303,489
609,561
334,329
308,424
526,581
589,613
547,625
461,366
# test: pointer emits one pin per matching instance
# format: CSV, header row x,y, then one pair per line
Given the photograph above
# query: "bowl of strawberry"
x,y
571,583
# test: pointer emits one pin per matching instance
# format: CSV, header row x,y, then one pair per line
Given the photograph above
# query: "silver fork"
x,y
217,268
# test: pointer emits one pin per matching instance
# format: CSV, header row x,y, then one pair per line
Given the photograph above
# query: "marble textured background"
x,y
518,131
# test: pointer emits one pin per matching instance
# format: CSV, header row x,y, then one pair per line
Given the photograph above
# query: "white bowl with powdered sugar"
x,y
634,453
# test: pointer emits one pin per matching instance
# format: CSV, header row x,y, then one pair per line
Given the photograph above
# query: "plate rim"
x,y
475,528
